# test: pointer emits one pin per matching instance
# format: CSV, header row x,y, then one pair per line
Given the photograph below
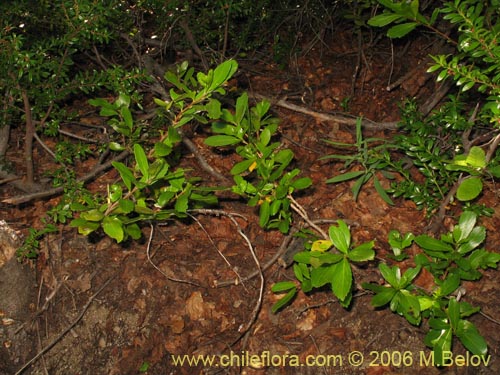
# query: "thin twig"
x,y
189,36
321,116
218,251
148,252
201,160
79,137
44,146
303,214
69,328
58,190
243,330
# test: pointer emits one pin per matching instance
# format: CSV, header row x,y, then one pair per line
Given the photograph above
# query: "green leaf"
x,y
223,73
345,177
161,149
383,297
284,301
475,238
242,166
213,108
264,213
466,223
125,173
265,137
123,100
92,215
362,252
221,140
340,236
283,286
453,313
127,117
470,189
381,191
356,188
301,183
429,243
341,279
141,160
182,202
391,275
409,275
384,19
476,157
449,285
469,336
321,276
113,227
241,108
126,206
495,171
401,30
115,146
133,231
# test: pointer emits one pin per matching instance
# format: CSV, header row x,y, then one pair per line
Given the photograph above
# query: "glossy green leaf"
x,y
222,73
341,279
241,108
469,336
127,117
133,231
265,137
115,192
284,301
391,275
401,30
321,276
381,191
475,238
362,253
340,236
221,140
126,206
453,313
113,227
383,297
264,213
92,215
476,157
449,285
345,177
213,108
242,166
123,100
161,149
125,173
470,189
466,223
302,183
383,19
283,286
115,146
433,244
141,160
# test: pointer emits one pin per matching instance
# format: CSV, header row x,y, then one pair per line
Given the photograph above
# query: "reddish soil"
x,y
168,300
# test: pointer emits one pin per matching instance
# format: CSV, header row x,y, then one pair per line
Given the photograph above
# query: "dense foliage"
x,y
111,55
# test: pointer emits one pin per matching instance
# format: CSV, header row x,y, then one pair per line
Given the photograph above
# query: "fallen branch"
x,y
341,119
69,328
58,190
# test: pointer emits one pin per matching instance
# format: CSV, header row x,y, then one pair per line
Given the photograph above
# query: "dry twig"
x,y
54,191
66,330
